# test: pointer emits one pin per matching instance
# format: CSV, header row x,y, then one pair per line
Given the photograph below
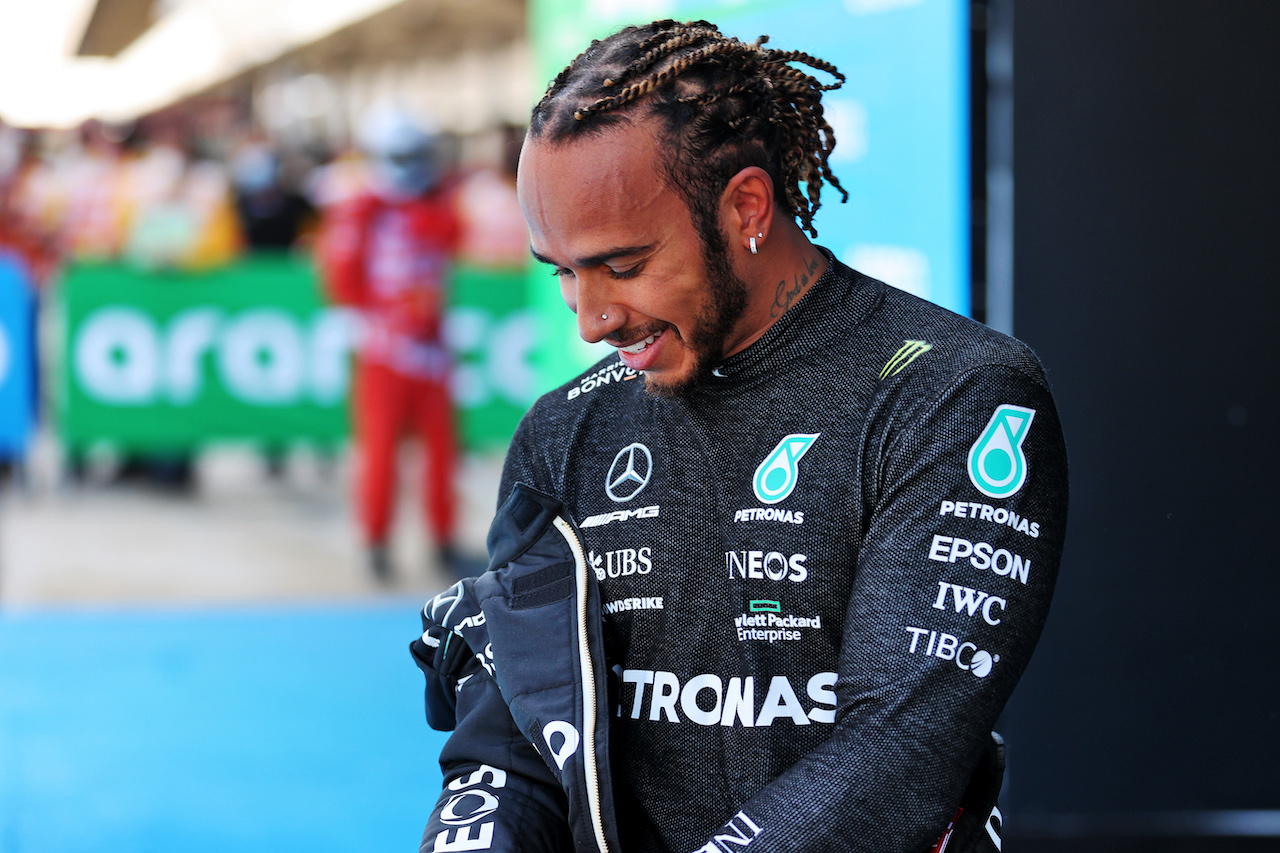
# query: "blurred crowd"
x,y
106,193
164,196
156,199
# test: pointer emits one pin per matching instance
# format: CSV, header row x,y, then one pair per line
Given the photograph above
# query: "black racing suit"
x,y
820,575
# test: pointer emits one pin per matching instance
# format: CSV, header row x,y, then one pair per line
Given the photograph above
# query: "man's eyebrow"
x,y
596,259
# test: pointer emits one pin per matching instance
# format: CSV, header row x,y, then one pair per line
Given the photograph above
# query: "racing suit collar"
x,y
837,301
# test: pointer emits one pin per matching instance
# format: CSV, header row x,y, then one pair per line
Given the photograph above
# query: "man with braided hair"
x,y
764,580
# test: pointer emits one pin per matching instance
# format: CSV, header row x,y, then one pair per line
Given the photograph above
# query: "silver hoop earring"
x,y
752,243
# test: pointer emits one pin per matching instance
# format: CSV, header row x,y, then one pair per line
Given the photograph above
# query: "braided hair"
x,y
720,106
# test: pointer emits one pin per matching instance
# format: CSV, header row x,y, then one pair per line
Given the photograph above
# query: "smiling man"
x,y
764,579
632,266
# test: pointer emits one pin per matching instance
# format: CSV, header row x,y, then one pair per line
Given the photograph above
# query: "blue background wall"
x,y
228,730
17,395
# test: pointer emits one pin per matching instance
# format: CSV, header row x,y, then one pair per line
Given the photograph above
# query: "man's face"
x,y
629,259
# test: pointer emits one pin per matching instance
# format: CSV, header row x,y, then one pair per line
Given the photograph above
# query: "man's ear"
x,y
747,206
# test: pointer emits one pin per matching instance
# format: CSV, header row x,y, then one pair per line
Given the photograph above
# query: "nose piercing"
x,y
604,316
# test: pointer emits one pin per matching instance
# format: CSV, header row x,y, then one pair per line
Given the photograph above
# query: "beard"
x,y
723,305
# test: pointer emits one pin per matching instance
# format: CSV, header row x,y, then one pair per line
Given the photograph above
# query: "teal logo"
x,y
997,465
776,477
761,605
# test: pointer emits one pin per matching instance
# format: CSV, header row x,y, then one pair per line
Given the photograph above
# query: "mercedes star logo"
x,y
629,473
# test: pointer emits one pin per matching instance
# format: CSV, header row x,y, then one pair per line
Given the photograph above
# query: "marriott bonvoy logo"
x,y
614,372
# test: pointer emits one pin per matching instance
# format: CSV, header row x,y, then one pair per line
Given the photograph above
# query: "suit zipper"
x,y
588,684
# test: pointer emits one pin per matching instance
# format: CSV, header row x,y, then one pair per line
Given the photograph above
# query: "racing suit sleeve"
x,y
966,511
498,794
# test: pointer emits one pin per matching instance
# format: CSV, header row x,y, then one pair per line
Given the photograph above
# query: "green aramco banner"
x,y
166,360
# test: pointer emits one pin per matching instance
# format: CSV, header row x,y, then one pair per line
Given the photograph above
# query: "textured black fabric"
x,y
519,765
498,792
816,665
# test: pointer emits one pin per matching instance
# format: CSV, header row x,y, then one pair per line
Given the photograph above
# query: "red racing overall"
x,y
390,259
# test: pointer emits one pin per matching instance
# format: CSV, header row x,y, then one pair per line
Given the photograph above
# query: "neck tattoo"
x,y
786,294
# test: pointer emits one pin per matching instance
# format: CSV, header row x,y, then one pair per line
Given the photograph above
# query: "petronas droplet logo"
x,y
776,477
997,465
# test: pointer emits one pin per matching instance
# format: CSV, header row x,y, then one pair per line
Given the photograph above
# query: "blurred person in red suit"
x,y
387,252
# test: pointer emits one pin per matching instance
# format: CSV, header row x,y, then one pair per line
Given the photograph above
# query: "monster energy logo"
x,y
910,351
777,474
997,465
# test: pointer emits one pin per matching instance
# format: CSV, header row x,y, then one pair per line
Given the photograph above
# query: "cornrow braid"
x,y
721,105
660,46
647,85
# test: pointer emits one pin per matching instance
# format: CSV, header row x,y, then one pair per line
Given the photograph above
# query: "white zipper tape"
x,y
588,684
